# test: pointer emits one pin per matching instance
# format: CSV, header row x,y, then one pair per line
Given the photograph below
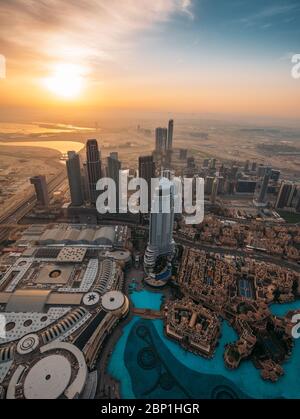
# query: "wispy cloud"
x,y
90,30
269,13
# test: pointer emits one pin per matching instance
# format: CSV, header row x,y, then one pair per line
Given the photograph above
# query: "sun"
x,y
66,81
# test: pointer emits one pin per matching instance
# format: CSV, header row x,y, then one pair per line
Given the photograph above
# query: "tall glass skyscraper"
x,y
147,172
161,242
114,167
93,168
74,176
170,134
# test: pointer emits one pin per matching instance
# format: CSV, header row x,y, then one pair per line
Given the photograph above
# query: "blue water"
x,y
146,299
246,378
282,309
116,366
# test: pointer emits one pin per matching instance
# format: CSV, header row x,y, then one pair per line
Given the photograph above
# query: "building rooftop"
x,y
113,300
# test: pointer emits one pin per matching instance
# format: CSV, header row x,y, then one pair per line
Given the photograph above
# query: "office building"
x,y
212,164
275,175
246,186
114,167
208,186
170,134
41,190
264,188
297,201
85,183
214,193
147,172
93,168
292,196
161,243
254,167
205,163
221,185
161,139
183,154
74,177
284,194
234,172
263,170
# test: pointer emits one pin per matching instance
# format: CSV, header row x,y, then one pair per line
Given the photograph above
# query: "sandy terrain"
x,y
17,165
222,140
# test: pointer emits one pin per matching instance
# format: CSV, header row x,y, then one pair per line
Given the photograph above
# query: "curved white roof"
x,y
48,378
105,236
113,300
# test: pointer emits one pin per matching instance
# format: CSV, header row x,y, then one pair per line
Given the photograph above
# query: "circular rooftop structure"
x,y
48,378
113,300
28,344
91,299
59,370
121,255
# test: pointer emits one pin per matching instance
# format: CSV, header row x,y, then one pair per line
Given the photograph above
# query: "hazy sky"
x,y
227,56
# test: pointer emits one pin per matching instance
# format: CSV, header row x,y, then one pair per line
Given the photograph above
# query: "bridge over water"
x,y
147,313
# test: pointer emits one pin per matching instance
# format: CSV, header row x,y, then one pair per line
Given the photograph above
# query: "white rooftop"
x,y
113,300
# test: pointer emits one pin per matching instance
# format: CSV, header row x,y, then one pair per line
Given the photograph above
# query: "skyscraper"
x,y
93,168
183,154
161,139
74,176
292,196
263,170
161,242
275,175
213,163
113,171
170,134
214,193
264,187
85,182
297,201
41,190
147,172
209,182
284,194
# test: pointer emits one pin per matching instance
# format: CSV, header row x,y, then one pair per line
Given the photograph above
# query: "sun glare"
x,y
66,81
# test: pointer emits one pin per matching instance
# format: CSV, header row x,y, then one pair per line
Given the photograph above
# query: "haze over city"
x,y
149,202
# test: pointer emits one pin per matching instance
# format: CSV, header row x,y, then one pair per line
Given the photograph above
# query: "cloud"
x,y
287,56
36,31
268,13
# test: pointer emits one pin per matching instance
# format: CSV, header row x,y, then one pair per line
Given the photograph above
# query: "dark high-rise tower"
x,y
93,168
284,194
41,190
147,172
161,139
264,187
113,171
74,176
170,134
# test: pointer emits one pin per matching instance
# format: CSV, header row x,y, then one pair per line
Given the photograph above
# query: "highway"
x,y
234,252
222,250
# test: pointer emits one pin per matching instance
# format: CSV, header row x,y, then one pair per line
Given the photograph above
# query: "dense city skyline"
x,y
149,202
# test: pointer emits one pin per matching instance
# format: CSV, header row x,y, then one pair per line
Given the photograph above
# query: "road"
x,y
24,207
234,252
222,250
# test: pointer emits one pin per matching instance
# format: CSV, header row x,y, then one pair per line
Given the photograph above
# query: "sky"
x,y
189,56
